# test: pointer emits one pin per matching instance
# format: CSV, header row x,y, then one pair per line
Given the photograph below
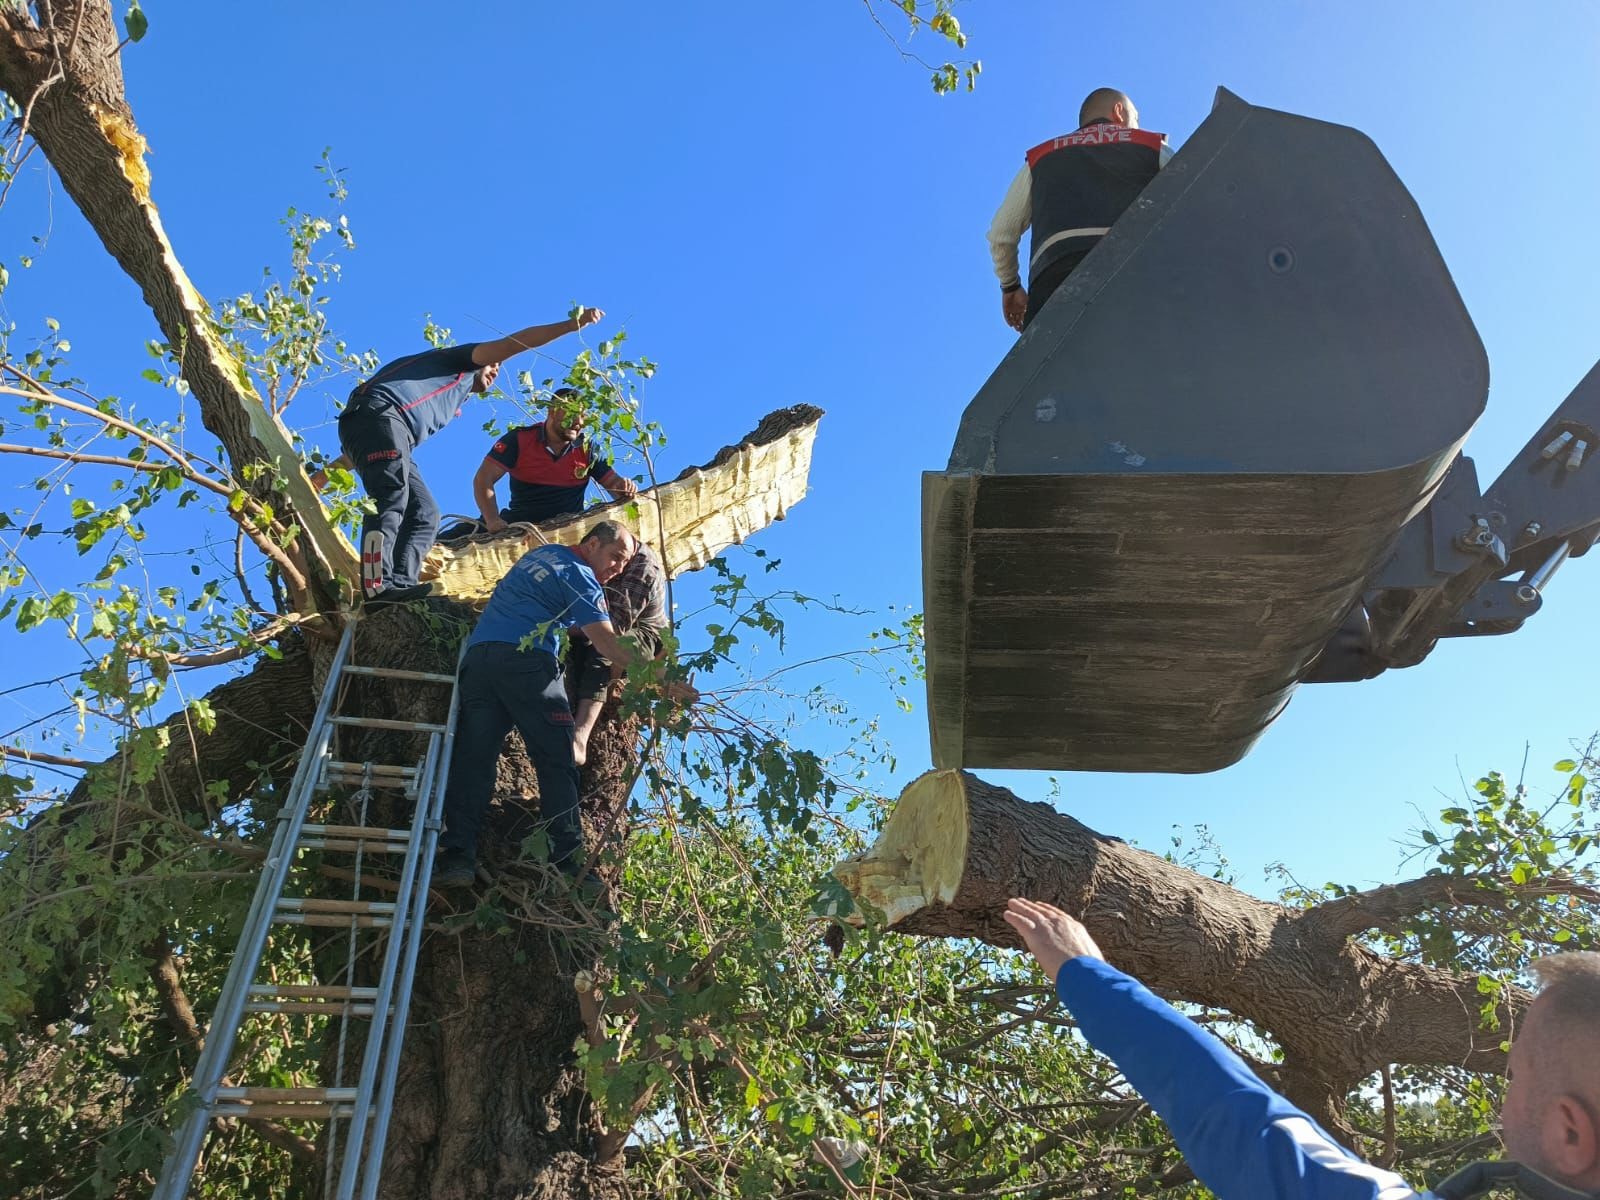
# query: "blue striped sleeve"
x,y
1241,1139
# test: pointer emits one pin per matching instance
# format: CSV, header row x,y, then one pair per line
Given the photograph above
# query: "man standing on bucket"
x,y
388,417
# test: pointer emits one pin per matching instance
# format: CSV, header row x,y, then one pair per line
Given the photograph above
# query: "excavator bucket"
x,y
1168,496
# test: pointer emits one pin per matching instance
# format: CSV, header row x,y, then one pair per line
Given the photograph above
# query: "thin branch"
x,y
238,570
109,460
249,511
56,760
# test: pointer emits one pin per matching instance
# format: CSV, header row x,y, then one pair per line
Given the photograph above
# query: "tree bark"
x,y
956,849
489,1101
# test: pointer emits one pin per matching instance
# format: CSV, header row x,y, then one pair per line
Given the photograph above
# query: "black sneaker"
x,y
416,591
454,869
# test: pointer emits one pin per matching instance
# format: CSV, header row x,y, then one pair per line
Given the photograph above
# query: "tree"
x,y
744,1042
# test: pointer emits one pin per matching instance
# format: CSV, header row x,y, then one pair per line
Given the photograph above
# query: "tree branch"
x,y
179,1012
1390,906
956,849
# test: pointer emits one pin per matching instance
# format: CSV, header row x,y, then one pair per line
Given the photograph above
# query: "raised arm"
x,y
1241,1139
483,483
497,351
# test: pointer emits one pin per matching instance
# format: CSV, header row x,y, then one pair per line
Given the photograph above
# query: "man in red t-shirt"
x,y
550,467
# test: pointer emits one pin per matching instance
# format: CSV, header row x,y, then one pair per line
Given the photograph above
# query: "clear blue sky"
x,y
780,211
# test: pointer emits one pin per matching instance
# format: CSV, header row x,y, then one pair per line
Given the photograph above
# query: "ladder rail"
x,y
429,822
223,1029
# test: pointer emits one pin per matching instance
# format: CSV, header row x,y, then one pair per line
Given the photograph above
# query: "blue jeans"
x,y
501,687
378,441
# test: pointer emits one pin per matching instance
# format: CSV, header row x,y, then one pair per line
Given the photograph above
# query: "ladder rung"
x,y
332,920
315,904
315,991
394,673
369,847
375,769
359,833
324,1094
315,1008
385,723
286,1112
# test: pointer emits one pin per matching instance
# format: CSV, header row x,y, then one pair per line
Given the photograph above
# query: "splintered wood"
x,y
688,521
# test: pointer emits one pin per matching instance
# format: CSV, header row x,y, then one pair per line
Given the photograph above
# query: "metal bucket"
x,y
1169,494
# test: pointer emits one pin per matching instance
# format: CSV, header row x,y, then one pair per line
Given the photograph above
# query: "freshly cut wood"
x,y
689,521
955,849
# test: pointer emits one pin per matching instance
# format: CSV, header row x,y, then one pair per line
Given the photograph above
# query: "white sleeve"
x,y
1005,231
1166,154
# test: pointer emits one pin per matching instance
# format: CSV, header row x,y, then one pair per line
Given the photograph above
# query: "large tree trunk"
x,y
489,1103
956,849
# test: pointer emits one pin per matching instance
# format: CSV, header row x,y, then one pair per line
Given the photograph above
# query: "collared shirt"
x,y
548,589
637,595
547,483
426,389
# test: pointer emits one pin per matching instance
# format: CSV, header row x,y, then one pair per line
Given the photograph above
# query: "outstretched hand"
x,y
1051,936
586,317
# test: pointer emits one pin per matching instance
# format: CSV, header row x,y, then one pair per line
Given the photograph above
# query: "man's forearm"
x,y
488,506
611,647
524,339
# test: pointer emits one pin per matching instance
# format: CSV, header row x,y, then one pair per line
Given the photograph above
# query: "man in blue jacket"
x,y
388,417
511,677
1246,1142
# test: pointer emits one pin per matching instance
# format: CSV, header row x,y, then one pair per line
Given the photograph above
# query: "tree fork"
x,y
955,849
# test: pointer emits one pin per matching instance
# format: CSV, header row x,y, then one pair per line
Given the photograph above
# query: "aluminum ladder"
x,y
363,1107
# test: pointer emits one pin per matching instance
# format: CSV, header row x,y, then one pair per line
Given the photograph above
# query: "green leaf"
x,y
1566,764
135,22
32,611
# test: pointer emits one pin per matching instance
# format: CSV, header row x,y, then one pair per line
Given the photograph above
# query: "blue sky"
x,y
779,210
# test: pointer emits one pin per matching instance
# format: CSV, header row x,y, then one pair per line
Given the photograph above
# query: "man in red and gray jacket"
x,y
1071,190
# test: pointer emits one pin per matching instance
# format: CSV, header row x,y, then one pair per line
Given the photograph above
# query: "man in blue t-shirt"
x,y
510,676
1246,1142
388,417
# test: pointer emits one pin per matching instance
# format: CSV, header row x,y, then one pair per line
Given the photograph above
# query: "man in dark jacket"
x,y
388,417
550,465
1246,1142
1071,190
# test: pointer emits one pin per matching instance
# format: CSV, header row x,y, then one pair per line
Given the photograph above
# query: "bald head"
x,y
1551,1118
1108,104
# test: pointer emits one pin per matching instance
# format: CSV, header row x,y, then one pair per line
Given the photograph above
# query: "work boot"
x,y
416,591
454,869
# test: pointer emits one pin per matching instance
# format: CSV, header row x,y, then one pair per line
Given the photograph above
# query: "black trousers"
x,y
1045,285
378,441
501,687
